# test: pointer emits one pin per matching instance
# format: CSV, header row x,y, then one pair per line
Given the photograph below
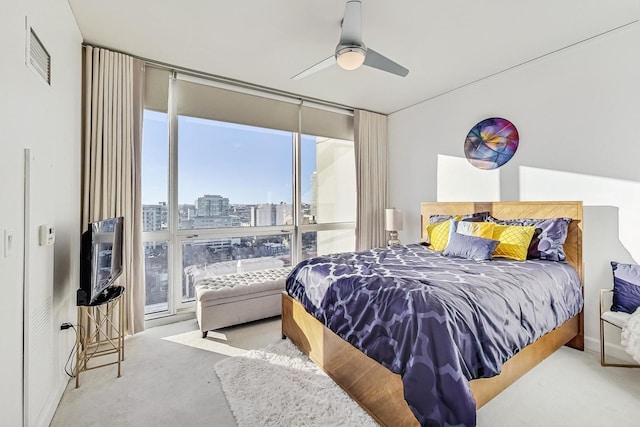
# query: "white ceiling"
x,y
445,44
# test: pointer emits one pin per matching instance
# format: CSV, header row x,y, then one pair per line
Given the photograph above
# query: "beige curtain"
x,y
112,139
372,147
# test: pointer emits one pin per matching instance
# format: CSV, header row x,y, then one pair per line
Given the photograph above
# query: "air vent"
x,y
39,59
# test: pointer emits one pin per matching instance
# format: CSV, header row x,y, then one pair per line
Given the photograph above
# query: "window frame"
x,y
176,237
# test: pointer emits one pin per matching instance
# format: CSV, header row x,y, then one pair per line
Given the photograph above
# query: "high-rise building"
x,y
272,214
284,214
265,215
253,221
154,217
212,205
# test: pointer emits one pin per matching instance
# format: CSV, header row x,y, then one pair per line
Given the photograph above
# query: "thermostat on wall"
x,y
47,235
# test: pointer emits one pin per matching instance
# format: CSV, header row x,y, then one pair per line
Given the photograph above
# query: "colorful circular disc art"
x,y
491,143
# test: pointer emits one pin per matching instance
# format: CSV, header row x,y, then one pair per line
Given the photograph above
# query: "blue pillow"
x,y
470,247
474,217
626,287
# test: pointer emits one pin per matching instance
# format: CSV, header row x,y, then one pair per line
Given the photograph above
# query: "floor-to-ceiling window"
x,y
235,181
155,196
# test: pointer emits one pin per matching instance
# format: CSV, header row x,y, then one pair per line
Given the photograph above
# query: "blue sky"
x,y
243,163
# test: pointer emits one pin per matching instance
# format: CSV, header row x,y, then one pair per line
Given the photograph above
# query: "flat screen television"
x,y
100,260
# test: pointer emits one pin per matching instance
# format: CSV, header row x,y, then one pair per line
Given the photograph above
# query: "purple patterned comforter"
x,y
437,321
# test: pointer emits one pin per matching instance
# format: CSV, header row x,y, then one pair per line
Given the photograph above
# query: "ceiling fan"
x,y
351,52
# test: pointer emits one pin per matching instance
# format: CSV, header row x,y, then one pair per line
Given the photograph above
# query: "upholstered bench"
x,y
238,298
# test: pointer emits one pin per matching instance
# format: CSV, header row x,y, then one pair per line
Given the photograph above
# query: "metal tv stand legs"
x,y
100,332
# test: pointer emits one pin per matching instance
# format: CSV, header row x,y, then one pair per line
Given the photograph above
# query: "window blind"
x,y
156,88
208,102
322,122
196,97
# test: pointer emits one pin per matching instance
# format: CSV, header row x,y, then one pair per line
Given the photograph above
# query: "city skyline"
x,y
213,160
215,211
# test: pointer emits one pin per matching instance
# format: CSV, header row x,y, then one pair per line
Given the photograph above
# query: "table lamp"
x,y
393,224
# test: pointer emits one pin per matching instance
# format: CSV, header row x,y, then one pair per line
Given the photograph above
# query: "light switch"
x,y
9,243
47,235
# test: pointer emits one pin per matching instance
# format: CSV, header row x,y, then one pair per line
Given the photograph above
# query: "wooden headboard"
x,y
511,210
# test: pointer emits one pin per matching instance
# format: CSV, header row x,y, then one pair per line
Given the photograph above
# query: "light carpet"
x,y
214,344
280,386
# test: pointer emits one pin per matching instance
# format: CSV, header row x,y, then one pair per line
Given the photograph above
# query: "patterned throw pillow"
x,y
435,219
626,287
477,229
470,247
548,239
514,241
439,235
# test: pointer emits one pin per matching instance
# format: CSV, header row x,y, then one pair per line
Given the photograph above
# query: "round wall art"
x,y
491,143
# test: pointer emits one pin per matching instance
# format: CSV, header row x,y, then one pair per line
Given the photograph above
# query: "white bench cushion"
x,y
232,299
239,284
617,318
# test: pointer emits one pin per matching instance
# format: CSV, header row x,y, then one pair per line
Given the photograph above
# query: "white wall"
x,y
577,115
46,120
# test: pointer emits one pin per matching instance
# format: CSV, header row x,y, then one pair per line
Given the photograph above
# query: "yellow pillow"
x,y
439,235
514,241
477,229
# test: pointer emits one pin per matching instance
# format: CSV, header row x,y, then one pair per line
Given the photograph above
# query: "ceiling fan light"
x,y
350,58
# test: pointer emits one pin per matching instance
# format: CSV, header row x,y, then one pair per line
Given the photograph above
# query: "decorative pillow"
x,y
470,247
438,235
626,287
435,219
548,239
514,241
474,217
477,229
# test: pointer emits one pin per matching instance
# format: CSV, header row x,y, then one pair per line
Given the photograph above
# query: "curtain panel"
x,y
112,146
371,143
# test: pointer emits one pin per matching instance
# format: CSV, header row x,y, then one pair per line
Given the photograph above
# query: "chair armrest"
x,y
602,292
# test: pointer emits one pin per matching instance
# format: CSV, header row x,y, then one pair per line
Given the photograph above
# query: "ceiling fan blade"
x,y
352,23
325,63
374,59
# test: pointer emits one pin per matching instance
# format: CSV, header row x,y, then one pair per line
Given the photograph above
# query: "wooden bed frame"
x,y
378,390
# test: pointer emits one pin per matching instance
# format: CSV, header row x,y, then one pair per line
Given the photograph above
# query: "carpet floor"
x,y
169,379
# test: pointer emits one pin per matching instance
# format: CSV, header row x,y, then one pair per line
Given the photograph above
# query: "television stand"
x,y
101,331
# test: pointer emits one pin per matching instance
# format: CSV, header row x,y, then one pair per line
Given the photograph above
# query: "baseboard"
x,y
165,320
614,351
49,410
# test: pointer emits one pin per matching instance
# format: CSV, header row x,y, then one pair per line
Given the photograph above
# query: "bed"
x,y
379,390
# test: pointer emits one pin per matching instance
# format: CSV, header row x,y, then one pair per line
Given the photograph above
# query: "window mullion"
x,y
175,250
296,250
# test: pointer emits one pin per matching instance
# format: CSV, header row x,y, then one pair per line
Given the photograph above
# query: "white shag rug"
x,y
280,386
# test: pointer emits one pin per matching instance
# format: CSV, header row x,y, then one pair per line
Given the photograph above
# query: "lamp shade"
x,y
350,58
393,219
